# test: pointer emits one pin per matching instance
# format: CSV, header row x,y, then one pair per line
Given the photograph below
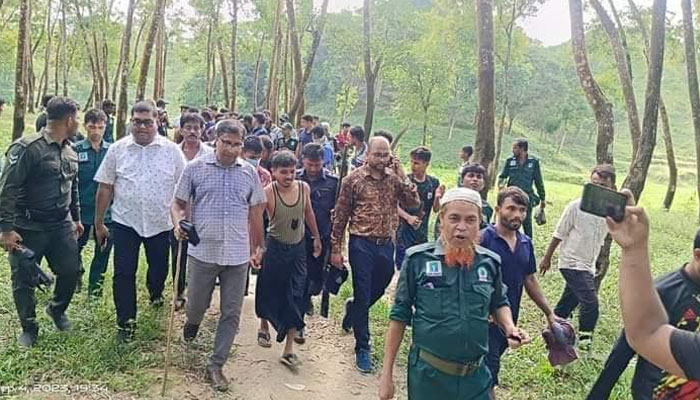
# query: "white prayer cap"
x,y
463,194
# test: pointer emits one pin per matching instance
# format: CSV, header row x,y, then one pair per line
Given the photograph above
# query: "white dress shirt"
x,y
144,179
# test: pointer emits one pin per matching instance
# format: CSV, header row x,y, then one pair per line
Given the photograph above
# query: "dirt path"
x,y
255,373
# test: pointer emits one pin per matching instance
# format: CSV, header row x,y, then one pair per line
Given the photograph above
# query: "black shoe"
x,y
28,337
217,379
61,321
125,334
189,331
299,337
347,318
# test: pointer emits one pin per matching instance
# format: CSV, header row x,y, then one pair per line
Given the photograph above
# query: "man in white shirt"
x,y
140,173
581,236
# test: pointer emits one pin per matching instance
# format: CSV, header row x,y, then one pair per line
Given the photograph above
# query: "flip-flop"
x,y
264,339
291,361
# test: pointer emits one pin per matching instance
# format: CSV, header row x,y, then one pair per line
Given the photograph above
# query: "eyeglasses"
x,y
143,122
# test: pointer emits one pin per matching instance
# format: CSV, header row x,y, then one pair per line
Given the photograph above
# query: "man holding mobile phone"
x,y
581,236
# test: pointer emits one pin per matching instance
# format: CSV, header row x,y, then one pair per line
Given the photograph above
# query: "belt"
x,y
449,367
379,241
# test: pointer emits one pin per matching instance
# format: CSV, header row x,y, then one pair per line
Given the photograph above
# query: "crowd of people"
x,y
288,205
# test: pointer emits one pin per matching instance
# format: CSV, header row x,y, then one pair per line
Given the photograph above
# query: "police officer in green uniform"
x,y
523,171
446,291
40,209
91,152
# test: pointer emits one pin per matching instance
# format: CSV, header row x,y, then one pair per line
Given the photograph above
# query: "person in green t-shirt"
x,y
413,223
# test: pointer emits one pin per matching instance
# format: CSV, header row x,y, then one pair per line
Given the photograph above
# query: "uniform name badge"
x,y
433,268
482,274
82,157
529,165
512,163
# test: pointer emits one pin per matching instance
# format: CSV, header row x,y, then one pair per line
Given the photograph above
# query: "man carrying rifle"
x,y
40,210
323,186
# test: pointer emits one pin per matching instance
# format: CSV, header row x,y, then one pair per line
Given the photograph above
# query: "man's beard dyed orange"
x,y
458,256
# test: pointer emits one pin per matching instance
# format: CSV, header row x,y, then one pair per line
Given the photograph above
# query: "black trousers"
x,y
60,247
314,271
127,244
181,282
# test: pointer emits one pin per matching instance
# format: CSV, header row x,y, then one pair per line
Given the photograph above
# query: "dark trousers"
x,y
527,222
60,248
181,282
579,290
314,271
127,244
100,259
372,267
497,346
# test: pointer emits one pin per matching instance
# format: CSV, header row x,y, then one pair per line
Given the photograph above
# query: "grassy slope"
x,y
89,354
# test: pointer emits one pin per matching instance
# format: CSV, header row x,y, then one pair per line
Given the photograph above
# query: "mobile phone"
x,y
603,202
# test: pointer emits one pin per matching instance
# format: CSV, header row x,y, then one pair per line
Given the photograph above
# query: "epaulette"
x,y
26,141
419,248
488,253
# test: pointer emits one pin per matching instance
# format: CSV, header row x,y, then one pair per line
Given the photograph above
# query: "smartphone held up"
x,y
603,202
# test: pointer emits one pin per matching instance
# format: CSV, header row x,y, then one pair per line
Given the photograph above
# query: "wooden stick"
x,y
176,279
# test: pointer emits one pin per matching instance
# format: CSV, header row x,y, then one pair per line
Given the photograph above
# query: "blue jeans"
x,y
372,268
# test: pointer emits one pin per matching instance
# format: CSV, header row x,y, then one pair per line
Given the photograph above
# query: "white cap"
x,y
461,194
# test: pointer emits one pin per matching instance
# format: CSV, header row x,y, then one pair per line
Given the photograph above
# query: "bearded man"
x,y
447,290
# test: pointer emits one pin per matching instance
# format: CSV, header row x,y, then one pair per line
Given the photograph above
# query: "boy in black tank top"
x,y
279,294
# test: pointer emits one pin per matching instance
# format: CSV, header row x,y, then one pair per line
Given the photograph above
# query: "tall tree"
x,y
124,78
296,53
602,108
665,124
636,178
148,49
484,146
693,90
64,42
20,70
371,69
256,72
317,34
157,79
624,71
234,44
224,71
47,53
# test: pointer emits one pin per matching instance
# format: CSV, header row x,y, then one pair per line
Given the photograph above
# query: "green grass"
x,y
90,355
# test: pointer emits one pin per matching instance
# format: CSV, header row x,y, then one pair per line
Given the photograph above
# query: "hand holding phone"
x,y
603,202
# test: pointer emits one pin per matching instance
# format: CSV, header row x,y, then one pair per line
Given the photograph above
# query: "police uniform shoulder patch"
x,y
420,248
512,163
433,268
488,253
482,274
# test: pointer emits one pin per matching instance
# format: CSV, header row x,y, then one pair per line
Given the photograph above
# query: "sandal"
x,y
290,361
264,339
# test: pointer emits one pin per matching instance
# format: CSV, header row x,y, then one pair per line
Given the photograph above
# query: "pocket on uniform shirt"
x,y
429,301
479,300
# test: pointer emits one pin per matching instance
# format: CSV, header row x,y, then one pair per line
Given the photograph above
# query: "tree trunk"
x,y
164,64
57,62
124,79
371,71
213,73
484,141
693,90
286,69
602,108
624,71
452,122
142,26
159,59
64,44
636,178
234,40
148,49
207,83
20,65
317,34
296,56
256,74
424,142
224,71
670,156
491,178
276,44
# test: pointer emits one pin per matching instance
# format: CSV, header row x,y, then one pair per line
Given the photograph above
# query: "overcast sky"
x,y
550,26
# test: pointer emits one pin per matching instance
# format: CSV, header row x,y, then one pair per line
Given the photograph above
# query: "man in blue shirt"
x,y
518,267
91,152
307,122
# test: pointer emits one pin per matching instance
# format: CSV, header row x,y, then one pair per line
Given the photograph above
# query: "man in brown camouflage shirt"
x,y
368,199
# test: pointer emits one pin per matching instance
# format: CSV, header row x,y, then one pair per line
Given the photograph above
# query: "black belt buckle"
x,y
379,241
